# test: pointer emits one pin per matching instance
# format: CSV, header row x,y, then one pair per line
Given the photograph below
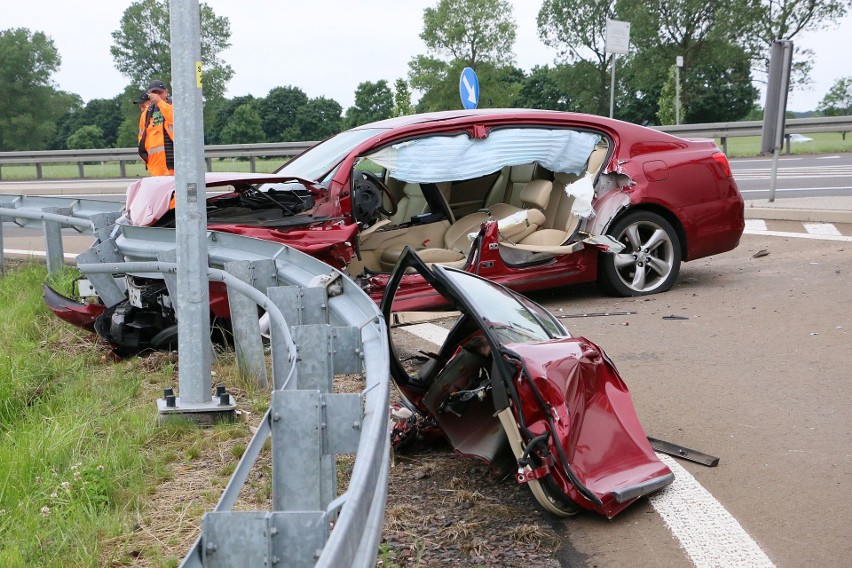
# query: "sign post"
x,y
775,109
617,41
469,88
678,65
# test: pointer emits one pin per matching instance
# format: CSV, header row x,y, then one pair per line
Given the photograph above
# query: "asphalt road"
x,y
798,176
758,375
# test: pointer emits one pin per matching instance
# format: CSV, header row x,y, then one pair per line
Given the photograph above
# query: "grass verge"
x,y
82,460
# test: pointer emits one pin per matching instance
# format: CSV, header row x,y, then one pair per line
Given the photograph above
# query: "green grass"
x,y
106,170
823,143
80,449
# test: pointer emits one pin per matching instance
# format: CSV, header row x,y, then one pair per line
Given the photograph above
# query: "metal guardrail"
x,y
125,155
51,215
722,130
725,130
324,325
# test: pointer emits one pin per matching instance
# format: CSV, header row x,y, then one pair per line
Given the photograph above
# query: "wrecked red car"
x,y
528,198
510,386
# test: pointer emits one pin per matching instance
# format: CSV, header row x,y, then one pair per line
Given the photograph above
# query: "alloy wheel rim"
x,y
648,257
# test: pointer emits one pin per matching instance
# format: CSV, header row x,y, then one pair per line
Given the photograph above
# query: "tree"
x,y
87,137
470,31
542,88
278,111
466,33
785,19
373,101
838,100
220,112
244,127
141,48
319,119
576,29
668,111
402,98
31,105
106,114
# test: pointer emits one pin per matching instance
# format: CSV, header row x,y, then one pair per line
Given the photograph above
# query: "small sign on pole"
x,y
617,41
469,88
617,36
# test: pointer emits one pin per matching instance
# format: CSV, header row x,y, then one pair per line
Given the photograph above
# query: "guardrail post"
x,y
252,164
81,170
122,168
725,145
248,344
53,240
209,162
39,173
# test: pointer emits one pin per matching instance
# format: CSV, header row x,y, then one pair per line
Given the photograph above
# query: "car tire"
x,y
558,499
650,261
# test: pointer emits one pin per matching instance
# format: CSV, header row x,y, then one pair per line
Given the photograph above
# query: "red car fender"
x,y
571,390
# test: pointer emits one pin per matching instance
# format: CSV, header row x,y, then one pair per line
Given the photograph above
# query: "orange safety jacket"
x,y
156,139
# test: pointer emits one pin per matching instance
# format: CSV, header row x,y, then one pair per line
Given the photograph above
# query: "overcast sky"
x,y
324,47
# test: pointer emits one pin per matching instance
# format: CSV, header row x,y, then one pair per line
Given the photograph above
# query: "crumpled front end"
x,y
67,309
583,436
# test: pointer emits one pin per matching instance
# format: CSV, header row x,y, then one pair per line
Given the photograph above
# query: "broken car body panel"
x,y
509,381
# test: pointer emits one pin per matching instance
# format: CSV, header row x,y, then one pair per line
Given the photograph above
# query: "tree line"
x,y
724,45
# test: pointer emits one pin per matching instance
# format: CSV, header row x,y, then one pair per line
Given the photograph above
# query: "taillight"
x,y
722,160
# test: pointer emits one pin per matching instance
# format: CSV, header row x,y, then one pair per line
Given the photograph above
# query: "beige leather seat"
x,y
413,202
410,204
561,223
456,246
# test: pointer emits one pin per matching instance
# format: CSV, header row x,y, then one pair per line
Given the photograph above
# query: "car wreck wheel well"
x,y
662,212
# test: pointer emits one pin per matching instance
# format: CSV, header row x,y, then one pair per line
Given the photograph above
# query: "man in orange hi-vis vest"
x,y
156,131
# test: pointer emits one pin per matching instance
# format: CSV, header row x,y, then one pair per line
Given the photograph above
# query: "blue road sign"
x,y
469,88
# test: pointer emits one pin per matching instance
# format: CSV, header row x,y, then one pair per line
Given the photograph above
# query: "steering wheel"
x,y
394,206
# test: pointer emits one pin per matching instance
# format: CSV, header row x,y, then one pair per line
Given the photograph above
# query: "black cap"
x,y
143,96
157,85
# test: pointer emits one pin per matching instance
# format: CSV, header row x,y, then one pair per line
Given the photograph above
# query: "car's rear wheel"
x,y
650,261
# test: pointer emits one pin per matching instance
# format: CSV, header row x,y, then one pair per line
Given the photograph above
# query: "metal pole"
x,y
612,89
677,94
190,206
782,108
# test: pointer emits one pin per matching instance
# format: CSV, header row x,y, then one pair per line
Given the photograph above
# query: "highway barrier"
x,y
323,325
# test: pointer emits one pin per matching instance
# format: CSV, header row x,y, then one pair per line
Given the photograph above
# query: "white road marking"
x,y
755,225
827,157
821,229
840,238
791,190
428,331
707,532
38,253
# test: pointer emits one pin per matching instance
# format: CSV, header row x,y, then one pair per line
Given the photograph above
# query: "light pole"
x,y
678,65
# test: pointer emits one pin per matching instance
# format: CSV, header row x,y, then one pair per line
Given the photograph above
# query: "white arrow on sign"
x,y
471,93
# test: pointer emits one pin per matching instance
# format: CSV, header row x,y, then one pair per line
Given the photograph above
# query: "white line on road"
x,y
707,532
821,229
752,225
841,238
39,253
784,190
428,331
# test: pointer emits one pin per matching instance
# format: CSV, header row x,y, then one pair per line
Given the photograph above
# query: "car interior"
x,y
532,205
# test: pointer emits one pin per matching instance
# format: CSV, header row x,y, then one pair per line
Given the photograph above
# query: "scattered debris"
x,y
761,252
674,317
596,314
